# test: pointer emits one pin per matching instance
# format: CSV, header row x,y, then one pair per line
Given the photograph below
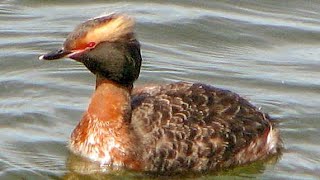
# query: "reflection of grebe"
x,y
175,127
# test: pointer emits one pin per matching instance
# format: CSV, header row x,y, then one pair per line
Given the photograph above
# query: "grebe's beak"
x,y
54,55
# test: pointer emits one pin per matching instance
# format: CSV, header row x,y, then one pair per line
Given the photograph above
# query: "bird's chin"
x,y
76,55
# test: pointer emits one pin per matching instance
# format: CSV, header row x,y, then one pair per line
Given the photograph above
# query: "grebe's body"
x,y
175,127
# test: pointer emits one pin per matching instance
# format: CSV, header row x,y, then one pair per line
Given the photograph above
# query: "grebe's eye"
x,y
91,44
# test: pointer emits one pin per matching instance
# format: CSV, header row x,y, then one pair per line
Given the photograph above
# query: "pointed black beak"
x,y
54,55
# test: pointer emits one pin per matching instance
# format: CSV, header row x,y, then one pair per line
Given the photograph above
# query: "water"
x,y
267,51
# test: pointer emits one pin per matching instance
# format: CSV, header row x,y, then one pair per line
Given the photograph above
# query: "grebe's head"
x,y
106,45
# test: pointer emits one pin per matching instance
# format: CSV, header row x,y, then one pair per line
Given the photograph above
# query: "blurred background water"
x,y
266,50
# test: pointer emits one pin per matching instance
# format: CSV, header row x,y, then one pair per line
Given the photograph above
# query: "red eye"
x,y
91,44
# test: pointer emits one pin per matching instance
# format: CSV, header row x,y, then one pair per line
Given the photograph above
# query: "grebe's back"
x,y
200,127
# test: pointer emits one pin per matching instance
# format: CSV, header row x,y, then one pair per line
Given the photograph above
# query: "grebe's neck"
x,y
104,133
110,102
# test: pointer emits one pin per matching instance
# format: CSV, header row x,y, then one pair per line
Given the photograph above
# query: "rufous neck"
x,y
110,101
108,116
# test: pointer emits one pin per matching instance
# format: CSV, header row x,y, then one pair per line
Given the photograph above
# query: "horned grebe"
x,y
168,128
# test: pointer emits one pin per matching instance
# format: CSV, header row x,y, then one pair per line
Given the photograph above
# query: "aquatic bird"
x,y
166,128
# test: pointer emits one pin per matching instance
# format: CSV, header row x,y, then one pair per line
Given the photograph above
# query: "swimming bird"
x,y
166,128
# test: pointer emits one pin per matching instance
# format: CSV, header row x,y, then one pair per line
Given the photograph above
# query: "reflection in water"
x,y
81,168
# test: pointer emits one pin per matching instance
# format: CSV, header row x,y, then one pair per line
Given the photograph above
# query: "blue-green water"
x,y
267,51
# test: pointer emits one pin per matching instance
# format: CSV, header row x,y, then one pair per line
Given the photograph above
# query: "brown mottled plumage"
x,y
199,127
169,128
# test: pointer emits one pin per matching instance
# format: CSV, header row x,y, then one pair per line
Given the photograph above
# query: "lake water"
x,y
266,50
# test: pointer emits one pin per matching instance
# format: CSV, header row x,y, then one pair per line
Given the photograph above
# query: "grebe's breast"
x,y
199,127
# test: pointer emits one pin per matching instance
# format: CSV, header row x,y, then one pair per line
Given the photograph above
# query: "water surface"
x,y
267,51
